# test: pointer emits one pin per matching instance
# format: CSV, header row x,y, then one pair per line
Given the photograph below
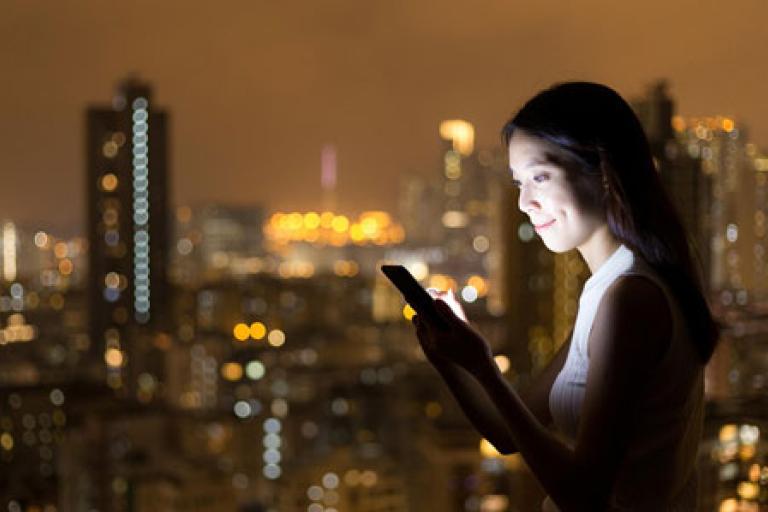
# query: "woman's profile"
x,y
614,421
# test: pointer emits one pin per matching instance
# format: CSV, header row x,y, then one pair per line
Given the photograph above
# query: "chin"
x,y
558,246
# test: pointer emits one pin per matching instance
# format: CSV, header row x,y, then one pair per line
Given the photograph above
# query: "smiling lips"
x,y
539,227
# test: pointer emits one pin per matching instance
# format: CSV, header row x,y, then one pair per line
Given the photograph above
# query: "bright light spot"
x,y
41,239
469,293
272,471
749,434
6,441
279,407
57,397
455,219
315,493
9,251
369,478
340,407
502,362
60,250
480,284
330,480
315,507
109,182
112,280
258,330
494,503
441,282
311,220
408,312
255,370
241,332
748,490
276,338
232,371
525,232
113,357
340,223
461,133
17,291
242,409
728,433
732,232
419,269
66,267
109,149
272,426
480,243
271,456
184,214
272,441
184,246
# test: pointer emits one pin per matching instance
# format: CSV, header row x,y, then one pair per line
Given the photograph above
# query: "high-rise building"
x,y
681,170
126,191
717,179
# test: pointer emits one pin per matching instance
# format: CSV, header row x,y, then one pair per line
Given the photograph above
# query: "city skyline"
x,y
253,102
283,374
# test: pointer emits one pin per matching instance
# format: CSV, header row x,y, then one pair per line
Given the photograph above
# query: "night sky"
x,y
255,88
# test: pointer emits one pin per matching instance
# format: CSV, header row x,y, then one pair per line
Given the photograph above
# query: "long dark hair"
x,y
598,131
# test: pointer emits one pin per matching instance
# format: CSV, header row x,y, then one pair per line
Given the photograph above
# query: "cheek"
x,y
560,201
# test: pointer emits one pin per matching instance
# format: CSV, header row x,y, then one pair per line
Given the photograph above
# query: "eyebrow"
x,y
532,163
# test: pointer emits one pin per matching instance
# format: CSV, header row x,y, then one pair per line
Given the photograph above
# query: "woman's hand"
x,y
458,343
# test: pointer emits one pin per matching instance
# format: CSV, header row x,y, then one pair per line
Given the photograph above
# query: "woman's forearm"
x,y
554,463
477,407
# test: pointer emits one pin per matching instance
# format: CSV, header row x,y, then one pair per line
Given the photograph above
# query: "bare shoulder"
x,y
634,312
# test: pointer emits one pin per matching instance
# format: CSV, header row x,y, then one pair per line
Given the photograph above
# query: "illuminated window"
x,y
109,182
109,149
141,286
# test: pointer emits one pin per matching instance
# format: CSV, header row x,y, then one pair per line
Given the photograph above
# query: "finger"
x,y
435,293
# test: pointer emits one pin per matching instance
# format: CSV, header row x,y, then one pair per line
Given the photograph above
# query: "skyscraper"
x,y
681,170
126,191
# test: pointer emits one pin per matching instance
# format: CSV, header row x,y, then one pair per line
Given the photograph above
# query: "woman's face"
x,y
548,198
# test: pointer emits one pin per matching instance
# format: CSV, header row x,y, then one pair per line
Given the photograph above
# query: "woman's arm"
x,y
624,345
481,411
477,407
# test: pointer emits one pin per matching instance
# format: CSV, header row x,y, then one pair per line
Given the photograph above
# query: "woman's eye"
x,y
540,178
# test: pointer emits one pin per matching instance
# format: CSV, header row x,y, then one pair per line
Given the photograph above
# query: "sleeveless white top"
x,y
659,470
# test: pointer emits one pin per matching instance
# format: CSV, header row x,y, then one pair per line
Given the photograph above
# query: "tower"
x,y
126,194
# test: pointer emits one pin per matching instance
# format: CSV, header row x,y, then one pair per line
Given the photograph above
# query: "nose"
x,y
526,200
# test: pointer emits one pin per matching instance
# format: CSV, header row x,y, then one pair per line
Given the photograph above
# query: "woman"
x,y
625,392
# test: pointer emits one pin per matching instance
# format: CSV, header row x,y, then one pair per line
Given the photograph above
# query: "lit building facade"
x,y
126,193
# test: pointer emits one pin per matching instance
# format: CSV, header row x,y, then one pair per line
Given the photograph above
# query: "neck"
x,y
600,246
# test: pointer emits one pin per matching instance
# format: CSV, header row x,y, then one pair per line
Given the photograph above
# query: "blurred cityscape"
x,y
222,357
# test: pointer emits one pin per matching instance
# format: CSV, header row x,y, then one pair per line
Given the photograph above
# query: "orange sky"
x,y
257,87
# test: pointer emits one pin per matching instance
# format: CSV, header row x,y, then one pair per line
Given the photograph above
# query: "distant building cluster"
x,y
221,357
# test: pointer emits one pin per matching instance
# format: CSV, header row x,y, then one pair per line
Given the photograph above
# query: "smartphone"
x,y
414,294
